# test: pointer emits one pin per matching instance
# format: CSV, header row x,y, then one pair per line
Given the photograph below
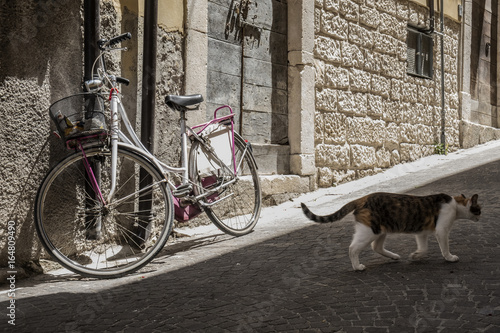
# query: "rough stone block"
x,y
391,67
326,99
381,85
366,131
349,9
327,49
360,80
272,185
352,55
332,5
334,25
319,128
360,36
388,6
317,20
410,92
336,77
352,103
396,89
335,128
395,157
373,61
410,152
342,176
402,10
333,156
369,16
319,70
376,105
393,136
425,94
363,157
417,15
383,158
325,177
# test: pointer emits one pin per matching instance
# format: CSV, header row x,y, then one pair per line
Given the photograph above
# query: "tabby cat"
x,y
380,213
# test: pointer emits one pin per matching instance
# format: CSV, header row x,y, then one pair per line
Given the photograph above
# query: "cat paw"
x,y
395,256
452,258
360,267
417,255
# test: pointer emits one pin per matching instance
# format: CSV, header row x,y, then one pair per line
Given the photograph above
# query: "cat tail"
x,y
341,213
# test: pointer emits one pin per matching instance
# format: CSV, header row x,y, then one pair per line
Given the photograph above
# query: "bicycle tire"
x,y
103,241
239,212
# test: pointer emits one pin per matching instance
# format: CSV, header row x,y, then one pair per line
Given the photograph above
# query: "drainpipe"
x,y
431,19
90,36
147,110
443,112
149,73
430,30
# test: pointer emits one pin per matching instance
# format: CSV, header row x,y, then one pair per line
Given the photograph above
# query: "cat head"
x,y
469,207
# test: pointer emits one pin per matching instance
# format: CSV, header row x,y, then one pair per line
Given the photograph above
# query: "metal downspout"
x,y
91,24
149,73
148,97
90,36
443,111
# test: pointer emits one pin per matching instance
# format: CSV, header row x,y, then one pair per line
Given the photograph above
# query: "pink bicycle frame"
x,y
218,120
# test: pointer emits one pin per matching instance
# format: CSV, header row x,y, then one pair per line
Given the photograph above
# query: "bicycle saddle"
x,y
174,101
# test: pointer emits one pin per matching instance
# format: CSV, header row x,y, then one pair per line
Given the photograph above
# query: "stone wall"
x,y
370,114
41,62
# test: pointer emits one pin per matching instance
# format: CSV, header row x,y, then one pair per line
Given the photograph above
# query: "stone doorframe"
x,y
301,75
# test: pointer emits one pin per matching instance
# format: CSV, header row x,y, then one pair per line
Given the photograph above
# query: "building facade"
x,y
327,91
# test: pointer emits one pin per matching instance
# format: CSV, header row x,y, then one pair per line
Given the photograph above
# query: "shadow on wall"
x,y
484,59
40,62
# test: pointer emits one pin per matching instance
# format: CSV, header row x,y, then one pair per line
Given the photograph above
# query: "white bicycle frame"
x,y
119,138
132,142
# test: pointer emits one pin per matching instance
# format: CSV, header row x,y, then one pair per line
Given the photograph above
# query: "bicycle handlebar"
x,y
122,80
120,38
102,43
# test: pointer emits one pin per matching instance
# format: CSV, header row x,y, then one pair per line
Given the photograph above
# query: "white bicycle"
x,y
108,208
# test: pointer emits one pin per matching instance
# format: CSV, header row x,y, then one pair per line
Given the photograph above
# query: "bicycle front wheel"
x,y
101,240
234,200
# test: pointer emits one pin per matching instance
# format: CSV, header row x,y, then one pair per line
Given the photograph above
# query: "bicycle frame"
x,y
130,140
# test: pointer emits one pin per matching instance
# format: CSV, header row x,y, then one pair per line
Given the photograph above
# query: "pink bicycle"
x,y
108,208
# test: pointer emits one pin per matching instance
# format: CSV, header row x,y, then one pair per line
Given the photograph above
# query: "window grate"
x,y
419,53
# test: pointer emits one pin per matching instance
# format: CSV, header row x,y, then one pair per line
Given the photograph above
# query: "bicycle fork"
x,y
114,142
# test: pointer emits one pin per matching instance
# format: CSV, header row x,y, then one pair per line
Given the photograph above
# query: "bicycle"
x,y
108,208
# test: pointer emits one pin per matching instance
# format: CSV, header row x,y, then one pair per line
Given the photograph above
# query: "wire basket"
x,y
79,115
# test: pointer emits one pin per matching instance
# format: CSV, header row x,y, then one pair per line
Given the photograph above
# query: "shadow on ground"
x,y
303,281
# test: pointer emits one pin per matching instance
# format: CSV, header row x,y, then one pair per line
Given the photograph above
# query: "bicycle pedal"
x,y
182,190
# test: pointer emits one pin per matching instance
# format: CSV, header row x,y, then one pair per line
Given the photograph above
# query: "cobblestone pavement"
x,y
291,275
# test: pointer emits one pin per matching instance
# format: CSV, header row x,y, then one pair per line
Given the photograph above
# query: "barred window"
x,y
419,53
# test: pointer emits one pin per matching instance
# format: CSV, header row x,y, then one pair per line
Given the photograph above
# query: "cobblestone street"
x,y
292,275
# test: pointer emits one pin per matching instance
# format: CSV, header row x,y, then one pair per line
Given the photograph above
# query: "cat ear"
x,y
474,198
463,196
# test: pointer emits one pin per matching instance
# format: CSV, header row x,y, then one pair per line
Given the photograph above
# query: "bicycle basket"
x,y
79,115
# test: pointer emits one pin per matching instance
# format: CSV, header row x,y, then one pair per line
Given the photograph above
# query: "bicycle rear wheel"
x,y
240,196
110,240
